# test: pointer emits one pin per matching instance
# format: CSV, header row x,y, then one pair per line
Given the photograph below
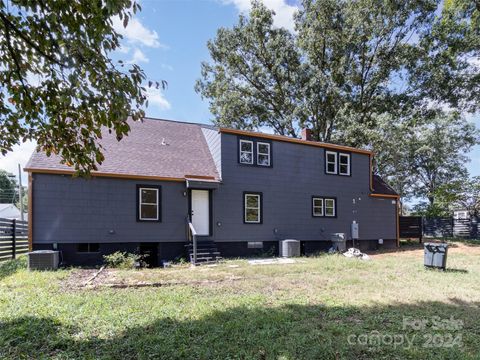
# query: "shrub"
x,y
123,260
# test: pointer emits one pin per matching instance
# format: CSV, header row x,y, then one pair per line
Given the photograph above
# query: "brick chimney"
x,y
307,134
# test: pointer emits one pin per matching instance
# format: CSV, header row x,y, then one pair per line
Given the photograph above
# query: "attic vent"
x,y
164,143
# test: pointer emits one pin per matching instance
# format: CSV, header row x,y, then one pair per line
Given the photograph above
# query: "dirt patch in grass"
x,y
416,250
113,278
225,276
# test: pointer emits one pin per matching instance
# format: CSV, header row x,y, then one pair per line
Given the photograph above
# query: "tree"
x,y
255,77
59,86
393,159
349,63
465,194
438,151
424,157
8,188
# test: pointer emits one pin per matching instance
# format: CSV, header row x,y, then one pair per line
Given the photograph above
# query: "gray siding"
x,y
72,210
68,210
213,139
287,187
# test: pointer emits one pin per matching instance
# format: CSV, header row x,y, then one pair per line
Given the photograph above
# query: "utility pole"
x,y
20,191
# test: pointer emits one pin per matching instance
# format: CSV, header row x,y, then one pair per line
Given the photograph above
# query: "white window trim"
x,y
334,207
140,203
240,152
259,153
316,207
340,155
329,162
259,219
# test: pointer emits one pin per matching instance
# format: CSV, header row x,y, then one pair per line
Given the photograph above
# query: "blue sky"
x,y
168,39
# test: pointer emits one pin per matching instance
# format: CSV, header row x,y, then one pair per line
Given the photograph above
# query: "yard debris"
x,y
94,276
356,253
142,284
273,261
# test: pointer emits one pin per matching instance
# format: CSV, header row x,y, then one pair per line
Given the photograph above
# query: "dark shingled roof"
x,y
141,153
381,187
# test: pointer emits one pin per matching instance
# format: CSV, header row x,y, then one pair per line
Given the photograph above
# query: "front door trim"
x,y
210,208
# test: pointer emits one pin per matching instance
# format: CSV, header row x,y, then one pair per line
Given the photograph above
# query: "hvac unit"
x,y
289,248
339,241
43,260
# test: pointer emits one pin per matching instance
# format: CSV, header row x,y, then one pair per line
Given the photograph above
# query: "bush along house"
x,y
238,192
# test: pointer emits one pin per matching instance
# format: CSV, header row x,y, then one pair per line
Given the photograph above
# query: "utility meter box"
x,y
355,231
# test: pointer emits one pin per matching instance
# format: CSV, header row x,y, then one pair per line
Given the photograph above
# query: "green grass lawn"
x,y
326,307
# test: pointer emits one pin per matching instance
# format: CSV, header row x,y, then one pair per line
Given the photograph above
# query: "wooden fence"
x,y
13,238
466,228
438,227
444,227
411,227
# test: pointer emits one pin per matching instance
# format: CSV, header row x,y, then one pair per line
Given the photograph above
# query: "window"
x,y
324,207
148,199
459,215
88,248
263,154
344,164
330,162
330,207
255,152
255,245
246,152
252,208
317,206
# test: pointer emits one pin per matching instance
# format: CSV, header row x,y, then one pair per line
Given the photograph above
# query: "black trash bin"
x,y
435,255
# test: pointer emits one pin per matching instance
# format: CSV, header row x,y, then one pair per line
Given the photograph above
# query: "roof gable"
x,y
153,148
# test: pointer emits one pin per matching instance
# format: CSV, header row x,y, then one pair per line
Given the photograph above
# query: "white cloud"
x,y
166,67
20,155
138,57
283,11
136,32
156,98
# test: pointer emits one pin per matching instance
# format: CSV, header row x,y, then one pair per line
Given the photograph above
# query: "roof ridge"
x,y
180,122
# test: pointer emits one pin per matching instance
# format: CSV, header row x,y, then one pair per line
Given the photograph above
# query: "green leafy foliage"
x,y
122,260
8,188
348,64
59,86
425,157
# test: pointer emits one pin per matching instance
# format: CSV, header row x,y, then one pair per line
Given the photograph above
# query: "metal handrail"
x,y
193,233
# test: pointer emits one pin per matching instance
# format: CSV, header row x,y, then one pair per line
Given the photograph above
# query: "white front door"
x,y
201,211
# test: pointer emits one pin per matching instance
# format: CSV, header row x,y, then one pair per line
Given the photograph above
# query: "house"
x,y
10,211
461,214
240,191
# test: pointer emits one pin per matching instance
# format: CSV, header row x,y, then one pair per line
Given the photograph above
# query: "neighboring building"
x,y
10,211
242,191
461,214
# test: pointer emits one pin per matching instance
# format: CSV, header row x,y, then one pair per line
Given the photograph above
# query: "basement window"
x,y
88,248
255,245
